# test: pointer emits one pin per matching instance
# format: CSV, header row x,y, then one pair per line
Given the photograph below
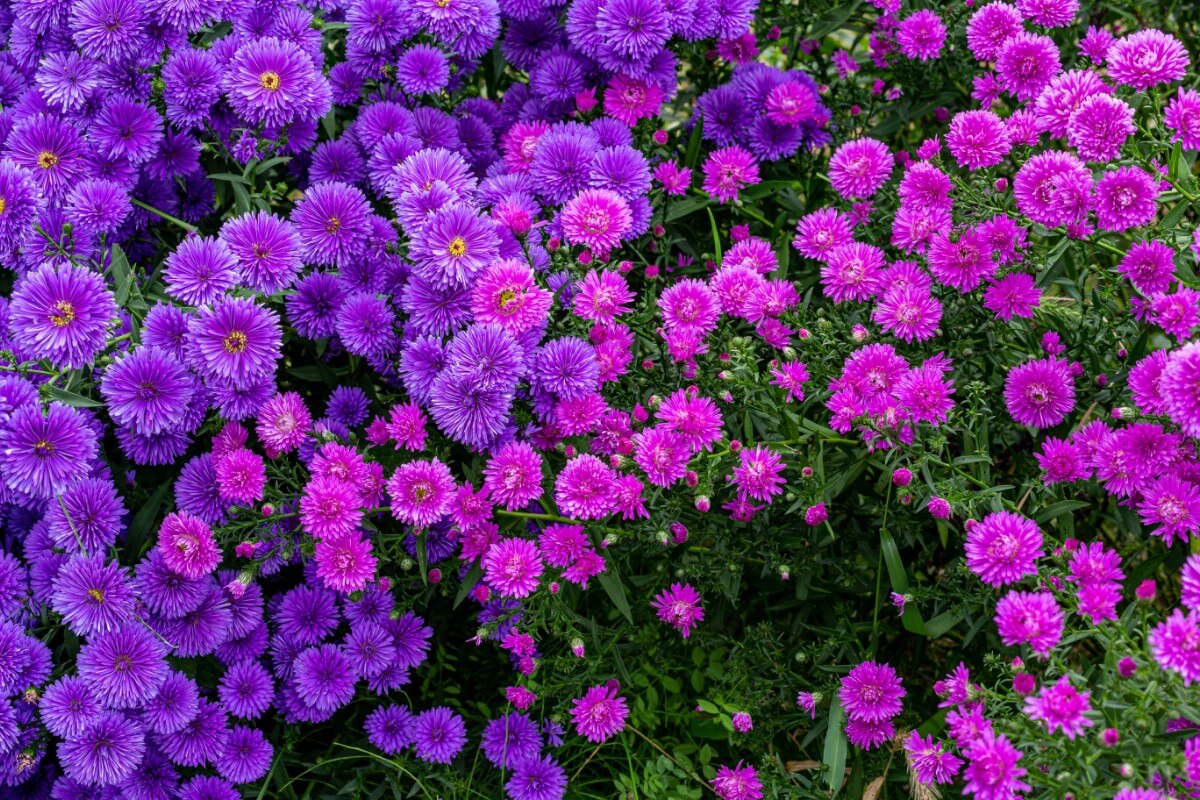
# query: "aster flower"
x,y
1026,62
123,666
50,150
454,245
727,171
68,706
438,735
1173,505
1173,643
1039,393
909,312
989,28
390,728
600,714
928,761
420,492
345,563
1014,295
61,314
507,295
537,778
265,248
921,35
852,272
41,455
740,782
512,567
97,206
821,231
106,751
662,454
241,476
1125,198
246,689
859,167
187,546
1062,707
680,607
200,740
1147,58
366,325
1053,188
872,692
332,221
273,81
977,139
992,772
422,69
1033,618
759,473
283,423
1003,547
147,390
235,342
596,218
1061,462
1100,126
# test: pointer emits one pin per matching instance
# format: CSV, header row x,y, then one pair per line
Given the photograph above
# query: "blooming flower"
x,y
600,714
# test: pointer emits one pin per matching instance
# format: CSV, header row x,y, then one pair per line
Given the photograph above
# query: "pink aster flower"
x,y
992,771
420,492
241,476
330,508
1149,266
1062,707
872,692
1003,547
345,564
512,567
1099,127
585,488
513,476
1125,198
1095,44
506,294
929,762
1032,618
1061,462
961,264
629,99
1182,118
674,179
680,607
737,783
1173,505
909,313
1026,63
821,231
852,272
597,218
990,27
600,714
1014,295
187,546
602,296
406,426
1147,58
760,473
921,35
1040,393
859,167
1053,188
1175,645
1049,13
977,139
729,170
790,376
282,424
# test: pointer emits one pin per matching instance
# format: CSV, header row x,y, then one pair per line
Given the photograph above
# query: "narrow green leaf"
x,y
834,754
139,527
693,149
468,583
1061,507
71,399
712,220
611,582
229,177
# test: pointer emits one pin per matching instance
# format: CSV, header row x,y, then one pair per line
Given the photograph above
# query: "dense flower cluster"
x,y
396,319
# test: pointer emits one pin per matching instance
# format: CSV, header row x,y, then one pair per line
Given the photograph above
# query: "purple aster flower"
x,y
174,706
200,271
366,325
106,752
201,740
1003,548
438,735
324,678
390,728
235,342
41,455
454,246
126,130
88,517
266,249
93,594
422,69
1040,393
537,778
61,314
567,367
51,151
246,756
510,740
333,224
147,390
600,714
273,81
97,206
125,666
67,706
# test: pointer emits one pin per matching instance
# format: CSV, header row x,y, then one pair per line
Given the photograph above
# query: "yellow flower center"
x,y
442,3
457,247
506,297
235,342
3,205
333,225
269,81
43,448
46,159
63,314
96,595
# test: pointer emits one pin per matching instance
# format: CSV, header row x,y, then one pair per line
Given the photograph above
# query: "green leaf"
x,y
611,582
1058,509
834,754
122,274
716,236
468,583
139,527
693,149
230,178
71,399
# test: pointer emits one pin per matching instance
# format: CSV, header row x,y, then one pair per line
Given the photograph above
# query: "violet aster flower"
x,y
41,455
93,594
246,756
88,517
124,666
200,740
333,223
67,706
21,203
51,150
61,314
390,728
126,129
106,751
438,735
147,390
175,705
1003,547
600,714
422,69
511,739
246,690
235,342
266,249
273,81
454,245
97,206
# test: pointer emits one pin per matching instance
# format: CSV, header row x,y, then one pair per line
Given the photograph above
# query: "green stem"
x,y
176,220
531,515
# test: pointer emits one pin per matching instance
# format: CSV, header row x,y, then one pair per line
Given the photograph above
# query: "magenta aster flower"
x,y
1149,266
1147,58
1061,462
921,35
1053,188
344,563
859,167
992,771
872,692
330,508
187,545
909,313
1125,198
1175,645
421,492
602,296
1026,63
513,476
1014,295
585,488
512,567
600,714
852,272
507,295
1062,707
1032,618
1173,505
1182,118
929,762
596,218
977,139
1099,127
729,170
821,231
1049,13
760,473
1040,393
790,376
990,27
241,476
680,607
962,264
737,783
1003,547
